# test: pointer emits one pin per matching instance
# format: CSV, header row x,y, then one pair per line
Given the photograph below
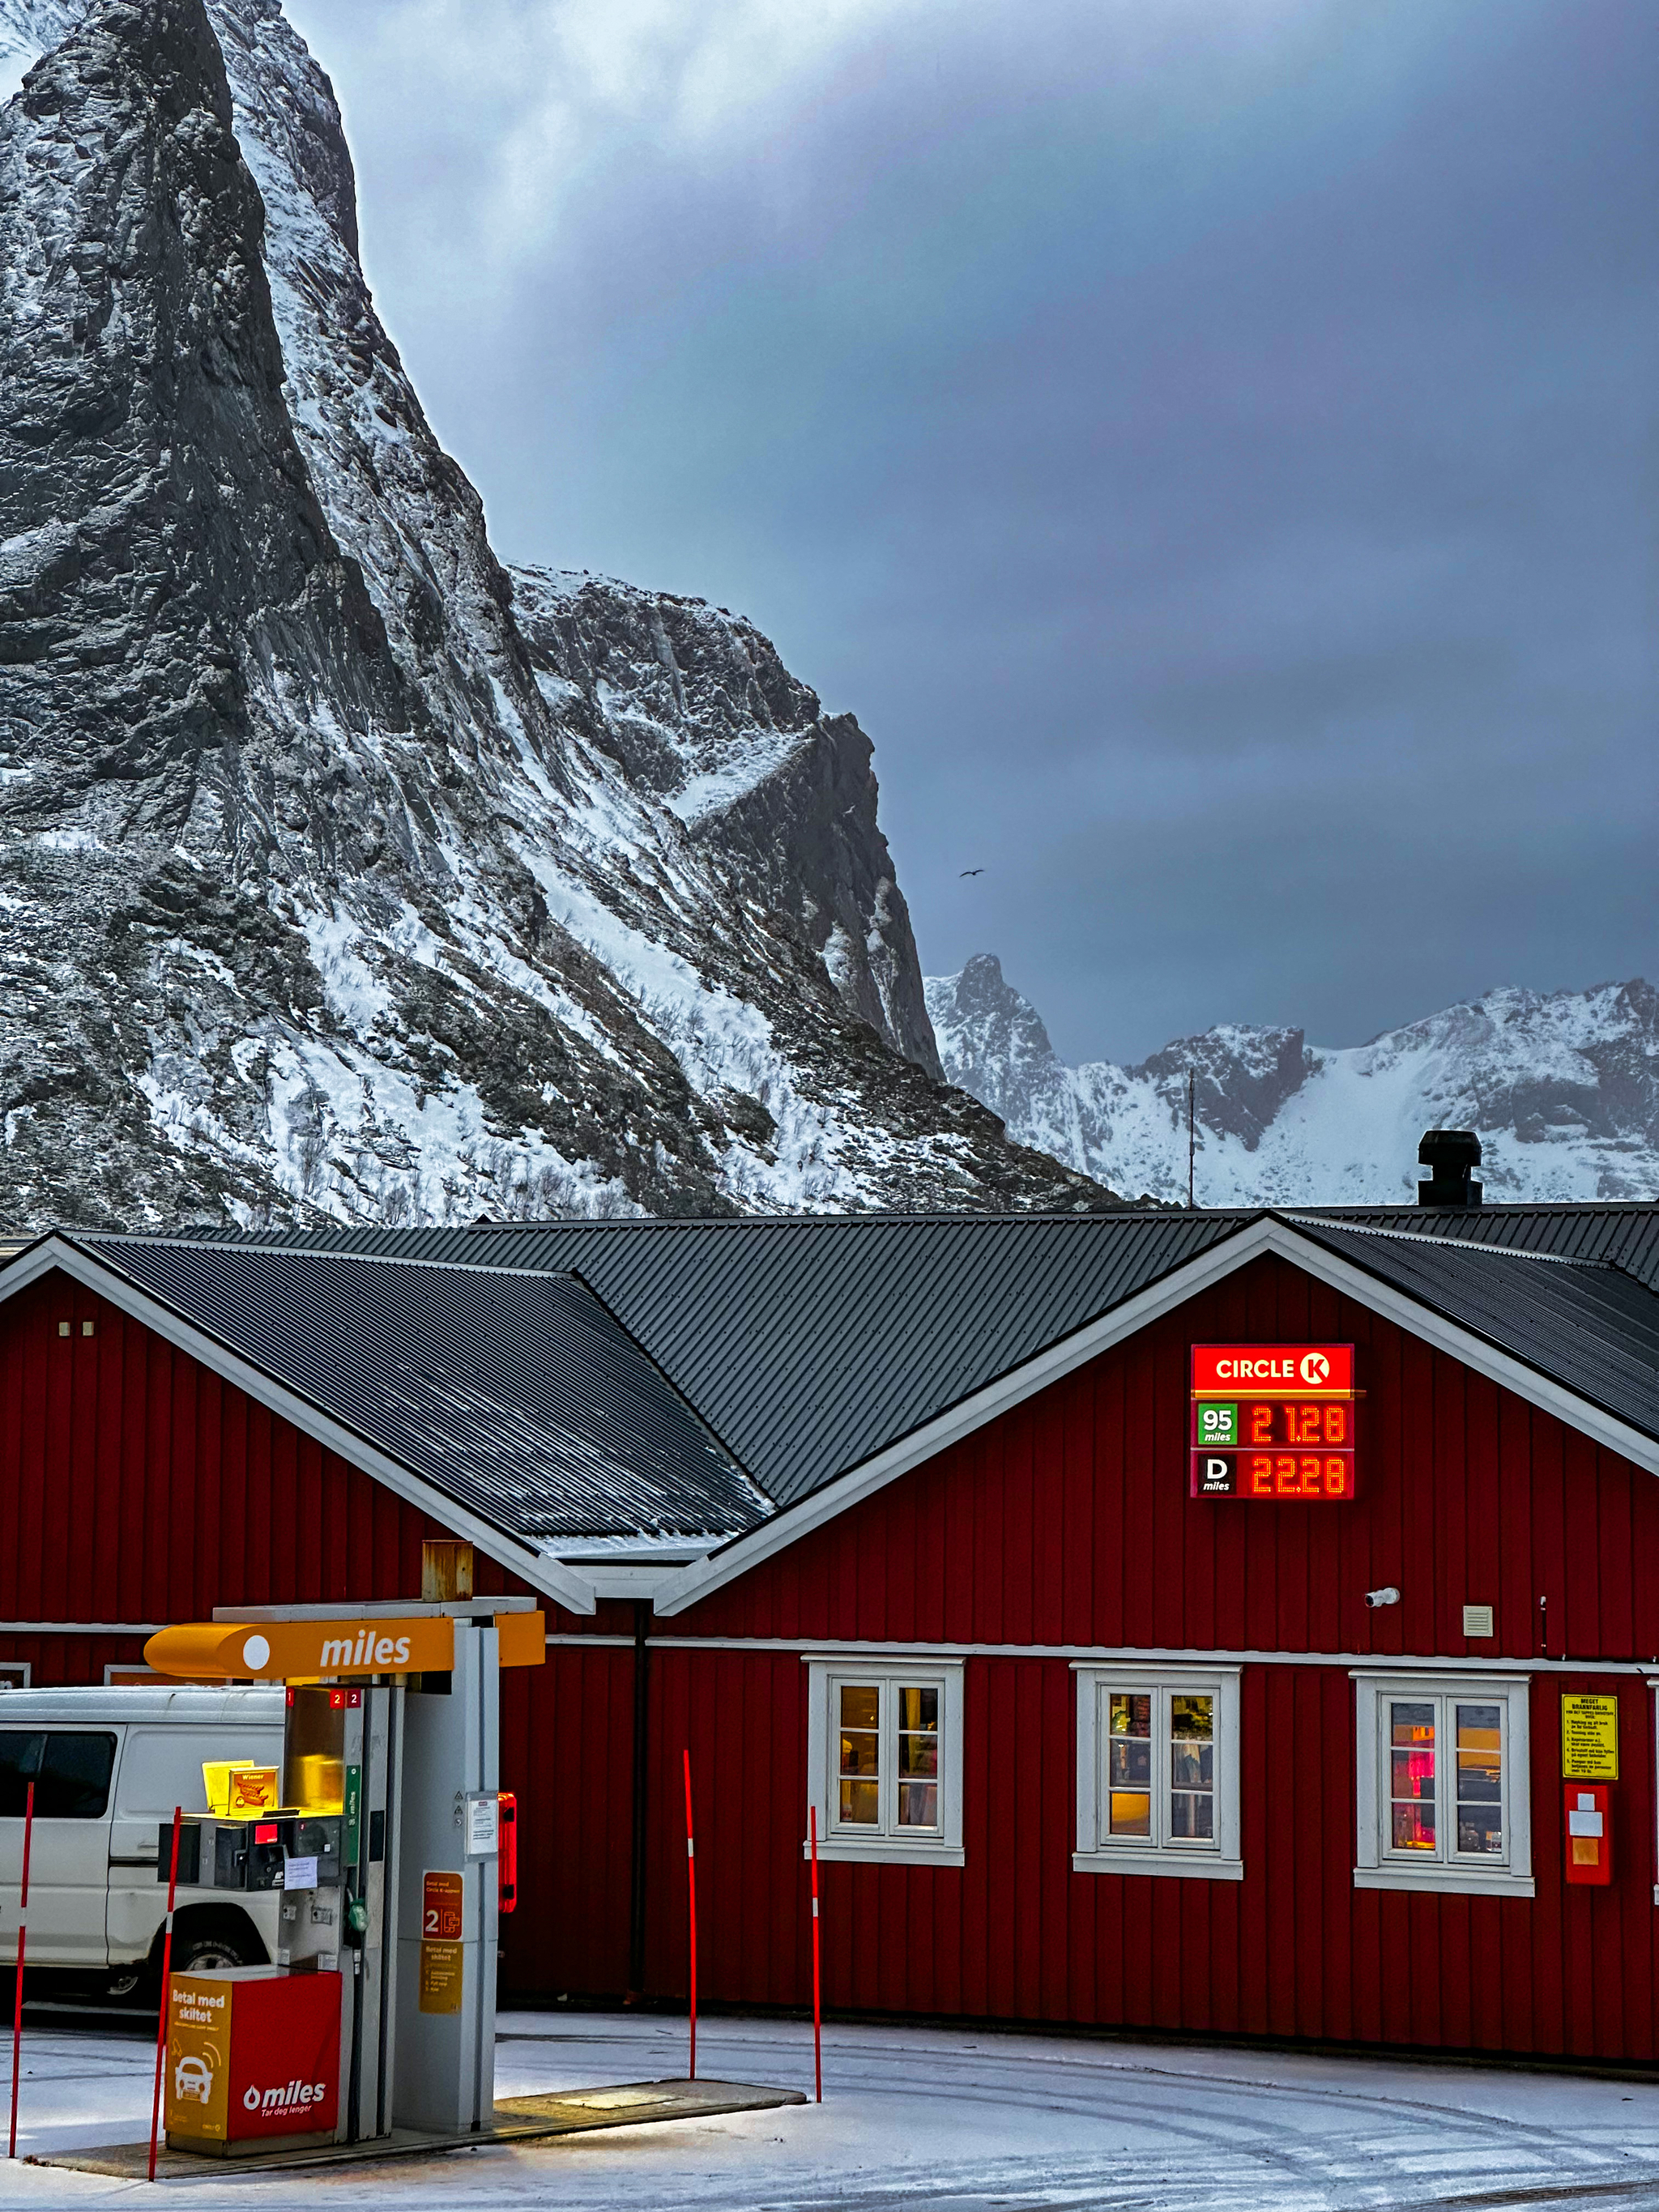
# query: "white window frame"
x,y
1376,1864
10,1666
940,1846
1218,1858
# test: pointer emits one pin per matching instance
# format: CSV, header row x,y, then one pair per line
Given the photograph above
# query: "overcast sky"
x,y
1208,443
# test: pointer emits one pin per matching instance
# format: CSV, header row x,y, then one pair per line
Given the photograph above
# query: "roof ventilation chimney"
x,y
1451,1157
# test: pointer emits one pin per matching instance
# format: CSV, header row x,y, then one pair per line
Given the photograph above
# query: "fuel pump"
x,y
339,1770
385,1845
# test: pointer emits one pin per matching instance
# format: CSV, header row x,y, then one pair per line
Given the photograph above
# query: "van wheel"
x,y
214,1944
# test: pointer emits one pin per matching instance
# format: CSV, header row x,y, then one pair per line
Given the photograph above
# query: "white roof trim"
x,y
1220,1259
53,1254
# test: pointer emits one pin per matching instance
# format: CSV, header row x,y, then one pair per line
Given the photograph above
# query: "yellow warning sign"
x,y
1589,1739
442,1973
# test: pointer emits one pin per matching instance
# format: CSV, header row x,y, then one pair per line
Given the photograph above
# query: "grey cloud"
x,y
1239,427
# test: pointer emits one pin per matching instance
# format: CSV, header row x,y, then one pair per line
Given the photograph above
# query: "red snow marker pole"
x,y
691,1895
817,1981
167,1978
22,1938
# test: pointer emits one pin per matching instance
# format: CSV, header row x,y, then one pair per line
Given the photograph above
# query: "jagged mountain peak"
x,y
1563,1087
342,871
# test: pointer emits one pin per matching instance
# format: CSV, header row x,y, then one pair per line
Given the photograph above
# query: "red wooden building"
x,y
895,1519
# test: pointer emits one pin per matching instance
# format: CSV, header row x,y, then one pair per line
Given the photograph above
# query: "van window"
x,y
161,1767
74,1782
20,1765
70,1774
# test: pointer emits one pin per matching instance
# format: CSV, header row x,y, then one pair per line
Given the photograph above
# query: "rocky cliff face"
x,y
694,706
1563,1087
341,871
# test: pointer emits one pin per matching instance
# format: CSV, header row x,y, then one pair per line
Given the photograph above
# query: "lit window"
x,y
1158,1772
885,1751
1443,1783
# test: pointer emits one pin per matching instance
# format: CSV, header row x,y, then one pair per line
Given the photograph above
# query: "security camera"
x,y
1390,1596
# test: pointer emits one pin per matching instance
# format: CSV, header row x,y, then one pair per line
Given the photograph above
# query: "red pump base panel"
x,y
253,2059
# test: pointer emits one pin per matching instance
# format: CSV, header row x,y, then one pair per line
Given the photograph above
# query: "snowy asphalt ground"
x,y
915,2119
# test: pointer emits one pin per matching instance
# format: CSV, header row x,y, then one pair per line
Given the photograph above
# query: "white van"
x,y
108,1767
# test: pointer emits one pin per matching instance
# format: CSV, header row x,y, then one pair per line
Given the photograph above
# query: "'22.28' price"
x,y
1298,1474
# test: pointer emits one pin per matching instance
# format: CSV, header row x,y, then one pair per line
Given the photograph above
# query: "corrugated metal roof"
x,y
809,1343
517,1394
808,1349
1585,1325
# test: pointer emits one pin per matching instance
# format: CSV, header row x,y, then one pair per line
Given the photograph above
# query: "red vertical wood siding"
x,y
1066,1521
135,1487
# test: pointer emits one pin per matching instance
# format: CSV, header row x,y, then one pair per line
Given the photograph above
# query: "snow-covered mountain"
x,y
1563,1088
344,870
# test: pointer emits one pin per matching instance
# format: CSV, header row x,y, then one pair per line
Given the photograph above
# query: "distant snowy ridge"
x,y
1563,1088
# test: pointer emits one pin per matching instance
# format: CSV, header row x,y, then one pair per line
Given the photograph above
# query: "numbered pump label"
x,y
443,1955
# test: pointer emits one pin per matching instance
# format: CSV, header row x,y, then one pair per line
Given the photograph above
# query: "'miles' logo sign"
x,y
1274,1422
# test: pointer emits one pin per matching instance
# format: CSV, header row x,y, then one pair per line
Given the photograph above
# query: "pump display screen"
x,y
1272,1422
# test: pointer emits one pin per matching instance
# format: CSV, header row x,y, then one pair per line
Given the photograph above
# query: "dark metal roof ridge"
x,y
1409,1205
1301,1216
867,1217
170,1242
697,1412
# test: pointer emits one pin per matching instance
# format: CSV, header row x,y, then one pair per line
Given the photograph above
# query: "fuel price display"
x,y
1272,1422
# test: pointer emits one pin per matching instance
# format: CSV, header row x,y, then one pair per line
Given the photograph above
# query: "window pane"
x,y
20,1765
1129,1765
861,1704
918,1709
1414,1827
858,1804
1192,1814
1130,1716
1413,1774
858,1752
1131,1814
918,1804
75,1776
1192,1766
917,1754
1410,1775
1480,1778
1192,1717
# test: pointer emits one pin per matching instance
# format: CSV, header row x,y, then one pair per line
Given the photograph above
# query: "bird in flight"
x,y
973,872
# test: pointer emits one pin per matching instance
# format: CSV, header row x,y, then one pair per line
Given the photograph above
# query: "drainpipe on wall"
x,y
636,1870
